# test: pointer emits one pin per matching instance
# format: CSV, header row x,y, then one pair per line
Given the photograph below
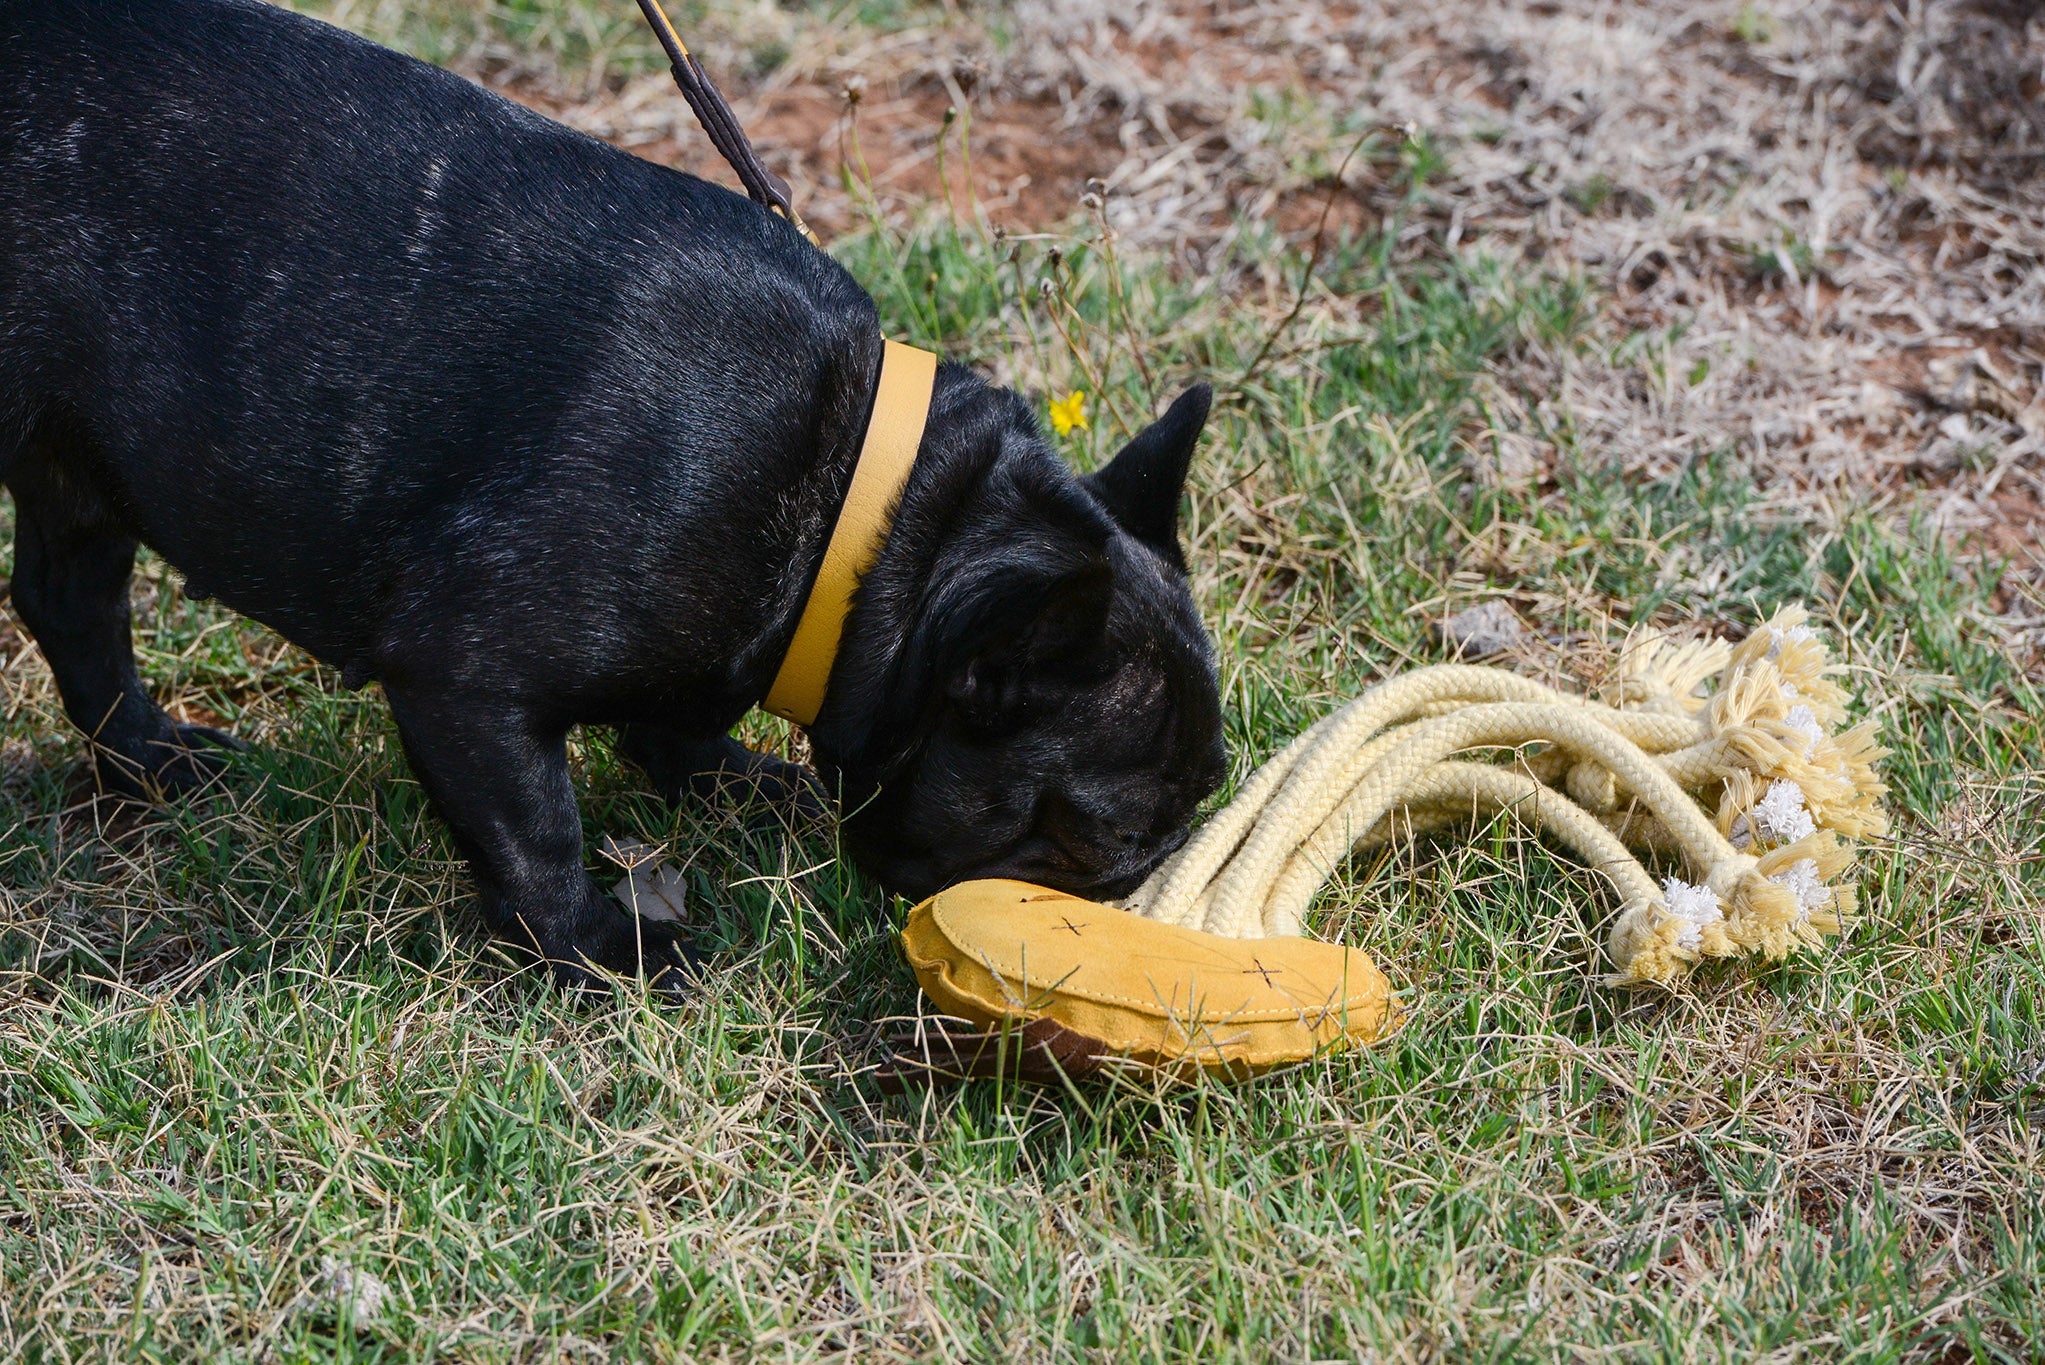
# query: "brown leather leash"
x,y
894,430
766,188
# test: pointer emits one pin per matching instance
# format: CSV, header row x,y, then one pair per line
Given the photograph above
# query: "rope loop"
x,y
1722,761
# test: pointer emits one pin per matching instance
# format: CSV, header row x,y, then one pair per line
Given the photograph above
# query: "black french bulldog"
x,y
537,434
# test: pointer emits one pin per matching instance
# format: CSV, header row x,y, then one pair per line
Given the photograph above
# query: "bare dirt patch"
x,y
1819,225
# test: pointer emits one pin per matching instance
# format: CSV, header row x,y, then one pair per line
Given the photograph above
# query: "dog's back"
x,y
244,256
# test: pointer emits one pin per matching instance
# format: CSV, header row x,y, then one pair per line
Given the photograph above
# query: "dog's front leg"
x,y
500,779
718,768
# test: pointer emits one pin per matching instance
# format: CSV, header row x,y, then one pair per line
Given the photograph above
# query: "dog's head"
x,y
1052,713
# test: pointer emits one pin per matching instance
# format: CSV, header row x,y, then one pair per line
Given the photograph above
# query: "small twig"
x,y
1079,354
1313,263
951,212
1022,294
1118,300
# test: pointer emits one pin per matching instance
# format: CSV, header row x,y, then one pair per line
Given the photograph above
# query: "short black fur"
x,y
537,434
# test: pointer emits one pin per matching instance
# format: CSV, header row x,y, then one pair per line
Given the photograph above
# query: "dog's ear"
x,y
1031,631
1140,486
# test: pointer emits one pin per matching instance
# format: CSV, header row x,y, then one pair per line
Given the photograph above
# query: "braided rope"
x,y
1602,781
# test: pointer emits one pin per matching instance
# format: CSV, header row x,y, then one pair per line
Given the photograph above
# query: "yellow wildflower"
x,y
1069,412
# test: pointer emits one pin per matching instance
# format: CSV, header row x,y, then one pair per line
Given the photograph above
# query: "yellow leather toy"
x,y
995,952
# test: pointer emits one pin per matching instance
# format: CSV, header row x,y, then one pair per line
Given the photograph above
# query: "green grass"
x,y
246,1041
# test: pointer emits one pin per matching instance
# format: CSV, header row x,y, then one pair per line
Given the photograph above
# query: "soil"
x,y
1830,214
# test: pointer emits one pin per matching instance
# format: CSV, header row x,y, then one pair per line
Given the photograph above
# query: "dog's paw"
x,y
724,772
611,943
758,778
186,760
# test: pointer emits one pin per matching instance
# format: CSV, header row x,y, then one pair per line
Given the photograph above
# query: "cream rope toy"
x,y
1732,760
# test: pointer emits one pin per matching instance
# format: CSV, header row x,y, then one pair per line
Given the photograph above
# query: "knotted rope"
x,y
1727,760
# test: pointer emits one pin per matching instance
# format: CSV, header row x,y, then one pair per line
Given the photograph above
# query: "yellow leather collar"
x,y
901,406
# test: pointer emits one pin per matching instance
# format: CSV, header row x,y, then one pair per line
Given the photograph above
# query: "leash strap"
x,y
901,406
766,188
